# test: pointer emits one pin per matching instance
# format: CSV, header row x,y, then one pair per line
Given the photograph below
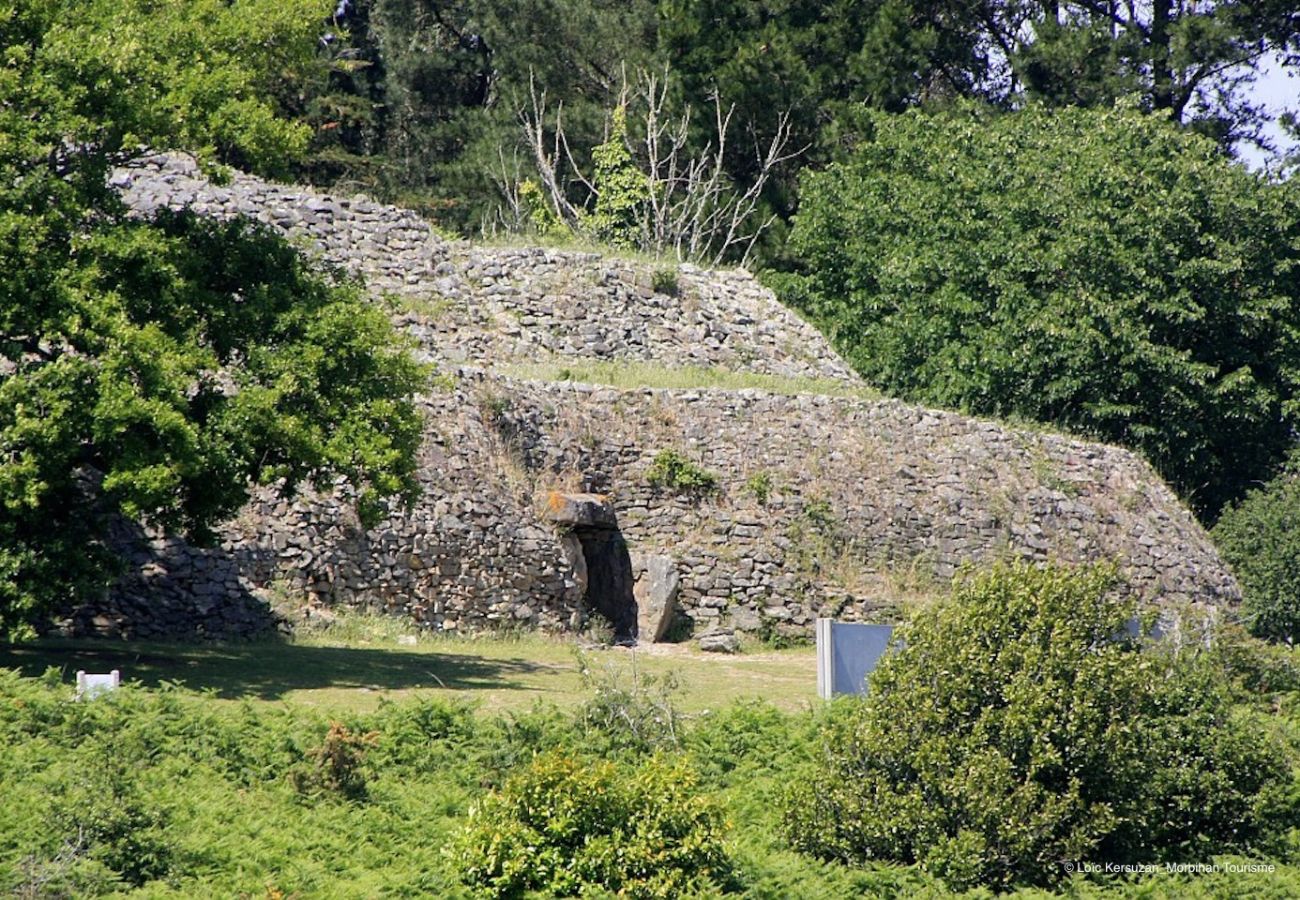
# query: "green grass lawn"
x,y
353,669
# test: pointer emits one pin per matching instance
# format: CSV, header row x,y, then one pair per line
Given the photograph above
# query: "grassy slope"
x,y
633,375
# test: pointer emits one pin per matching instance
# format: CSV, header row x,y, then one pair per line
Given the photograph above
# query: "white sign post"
x,y
91,686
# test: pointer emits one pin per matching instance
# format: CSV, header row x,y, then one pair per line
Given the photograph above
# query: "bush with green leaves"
x,y
1020,727
672,470
1100,270
1260,539
635,713
568,825
664,281
620,187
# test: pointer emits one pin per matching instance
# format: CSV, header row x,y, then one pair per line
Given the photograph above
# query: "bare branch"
x,y
692,209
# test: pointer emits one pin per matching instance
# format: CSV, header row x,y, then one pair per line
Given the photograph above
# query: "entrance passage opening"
x,y
609,579
588,520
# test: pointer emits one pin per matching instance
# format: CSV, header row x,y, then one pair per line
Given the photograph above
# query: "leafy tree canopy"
x,y
153,368
423,102
423,98
1194,61
1097,269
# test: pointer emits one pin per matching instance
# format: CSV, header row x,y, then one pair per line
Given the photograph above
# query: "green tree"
x,y
1019,727
620,186
1097,269
423,104
1193,61
823,65
1260,538
153,369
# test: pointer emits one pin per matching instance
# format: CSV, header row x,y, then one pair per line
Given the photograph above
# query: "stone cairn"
x,y
540,506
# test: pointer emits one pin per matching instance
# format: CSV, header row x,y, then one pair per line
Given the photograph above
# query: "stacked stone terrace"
x,y
825,505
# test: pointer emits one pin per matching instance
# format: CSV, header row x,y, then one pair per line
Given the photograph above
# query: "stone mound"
x,y
807,504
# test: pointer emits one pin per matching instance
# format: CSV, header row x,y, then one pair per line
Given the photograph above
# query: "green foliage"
x,y
567,825
1192,62
634,714
820,64
419,103
1260,669
541,218
173,791
818,515
1019,726
422,104
664,281
1099,270
154,368
759,486
100,812
92,78
1260,539
620,187
335,766
671,470
170,793
189,358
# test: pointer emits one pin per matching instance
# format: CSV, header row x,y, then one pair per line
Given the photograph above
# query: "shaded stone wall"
x,y
822,505
825,505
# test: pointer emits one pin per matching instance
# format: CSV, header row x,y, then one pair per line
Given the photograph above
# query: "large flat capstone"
x,y
580,511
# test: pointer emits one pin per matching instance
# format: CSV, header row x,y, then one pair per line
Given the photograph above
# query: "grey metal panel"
x,y
847,652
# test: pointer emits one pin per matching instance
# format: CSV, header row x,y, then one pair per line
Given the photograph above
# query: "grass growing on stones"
x,y
632,375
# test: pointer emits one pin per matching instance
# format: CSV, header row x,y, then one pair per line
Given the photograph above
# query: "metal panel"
x,y
847,652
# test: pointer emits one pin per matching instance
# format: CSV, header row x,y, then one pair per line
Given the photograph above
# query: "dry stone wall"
x,y
483,306
823,505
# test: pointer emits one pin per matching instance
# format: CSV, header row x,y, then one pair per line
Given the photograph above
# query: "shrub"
x,y
1021,727
567,825
759,486
635,714
1259,669
664,281
98,811
408,732
672,470
1260,539
335,765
